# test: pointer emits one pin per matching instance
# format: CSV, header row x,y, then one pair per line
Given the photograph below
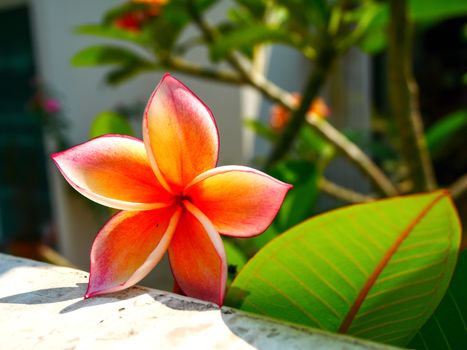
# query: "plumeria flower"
x,y
172,197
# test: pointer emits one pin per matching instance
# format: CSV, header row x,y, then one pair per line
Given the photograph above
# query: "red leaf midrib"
x,y
346,323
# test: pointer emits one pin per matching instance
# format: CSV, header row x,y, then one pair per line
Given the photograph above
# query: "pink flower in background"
x,y
172,197
51,106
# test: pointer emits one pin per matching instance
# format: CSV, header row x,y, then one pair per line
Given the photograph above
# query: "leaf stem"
x,y
356,155
459,188
180,65
342,193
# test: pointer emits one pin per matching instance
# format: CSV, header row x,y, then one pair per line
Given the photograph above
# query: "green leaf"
x,y
372,36
307,12
256,8
375,270
165,30
235,258
447,327
442,133
112,32
110,123
129,64
262,129
299,203
107,55
314,146
126,72
247,37
436,10
374,39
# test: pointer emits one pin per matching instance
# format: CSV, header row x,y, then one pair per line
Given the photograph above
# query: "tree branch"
x,y
403,94
180,65
459,188
356,155
312,88
342,193
276,94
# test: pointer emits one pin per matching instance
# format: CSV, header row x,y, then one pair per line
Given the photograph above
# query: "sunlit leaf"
x,y
109,122
375,270
447,327
112,32
372,36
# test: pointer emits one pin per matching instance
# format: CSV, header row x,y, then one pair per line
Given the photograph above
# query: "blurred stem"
x,y
459,188
356,155
180,65
316,80
403,94
276,94
342,193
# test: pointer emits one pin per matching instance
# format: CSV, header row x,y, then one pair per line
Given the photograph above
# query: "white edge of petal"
x,y
157,254
108,202
215,239
232,168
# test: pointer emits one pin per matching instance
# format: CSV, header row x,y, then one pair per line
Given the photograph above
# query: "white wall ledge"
x,y
41,307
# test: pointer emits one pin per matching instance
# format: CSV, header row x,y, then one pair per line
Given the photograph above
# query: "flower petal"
x,y
128,247
239,201
197,257
113,170
180,134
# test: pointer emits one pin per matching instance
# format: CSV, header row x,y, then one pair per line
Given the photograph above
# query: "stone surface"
x,y
41,307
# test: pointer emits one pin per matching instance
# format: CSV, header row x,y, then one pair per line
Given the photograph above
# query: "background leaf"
x,y
436,10
235,258
300,200
375,270
107,55
441,134
262,129
447,327
112,32
245,38
128,63
110,123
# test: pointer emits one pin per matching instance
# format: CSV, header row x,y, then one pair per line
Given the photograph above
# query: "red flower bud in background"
x,y
280,116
